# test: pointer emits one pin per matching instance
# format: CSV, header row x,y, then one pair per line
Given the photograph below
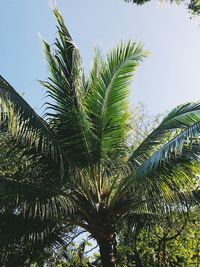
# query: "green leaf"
x,y
180,118
27,128
107,99
66,88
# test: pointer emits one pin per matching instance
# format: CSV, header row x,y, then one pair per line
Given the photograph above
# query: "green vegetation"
x,y
192,5
76,168
172,240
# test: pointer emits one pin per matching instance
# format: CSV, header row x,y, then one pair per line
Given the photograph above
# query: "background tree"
x,y
192,5
181,247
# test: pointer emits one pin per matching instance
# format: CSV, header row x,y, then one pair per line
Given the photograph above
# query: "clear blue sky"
x,y
170,76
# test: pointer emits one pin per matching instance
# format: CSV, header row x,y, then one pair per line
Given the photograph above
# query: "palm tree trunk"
x,y
107,253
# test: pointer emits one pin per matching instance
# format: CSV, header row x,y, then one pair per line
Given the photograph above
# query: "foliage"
x,y
74,255
181,234
192,5
142,124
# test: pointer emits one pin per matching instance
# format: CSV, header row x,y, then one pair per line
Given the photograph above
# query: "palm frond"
x,y
165,176
29,236
106,102
171,168
65,87
172,149
36,200
27,128
180,118
95,73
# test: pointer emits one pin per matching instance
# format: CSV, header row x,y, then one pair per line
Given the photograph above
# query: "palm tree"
x,y
76,163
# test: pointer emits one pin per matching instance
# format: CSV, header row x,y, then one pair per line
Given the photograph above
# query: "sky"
x,y
168,77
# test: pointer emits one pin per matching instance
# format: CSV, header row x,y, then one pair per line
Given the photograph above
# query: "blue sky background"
x,y
170,76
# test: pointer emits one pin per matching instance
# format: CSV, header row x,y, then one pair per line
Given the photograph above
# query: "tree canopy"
x,y
192,5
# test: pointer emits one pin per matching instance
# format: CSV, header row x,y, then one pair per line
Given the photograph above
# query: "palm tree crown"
x,y
76,163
